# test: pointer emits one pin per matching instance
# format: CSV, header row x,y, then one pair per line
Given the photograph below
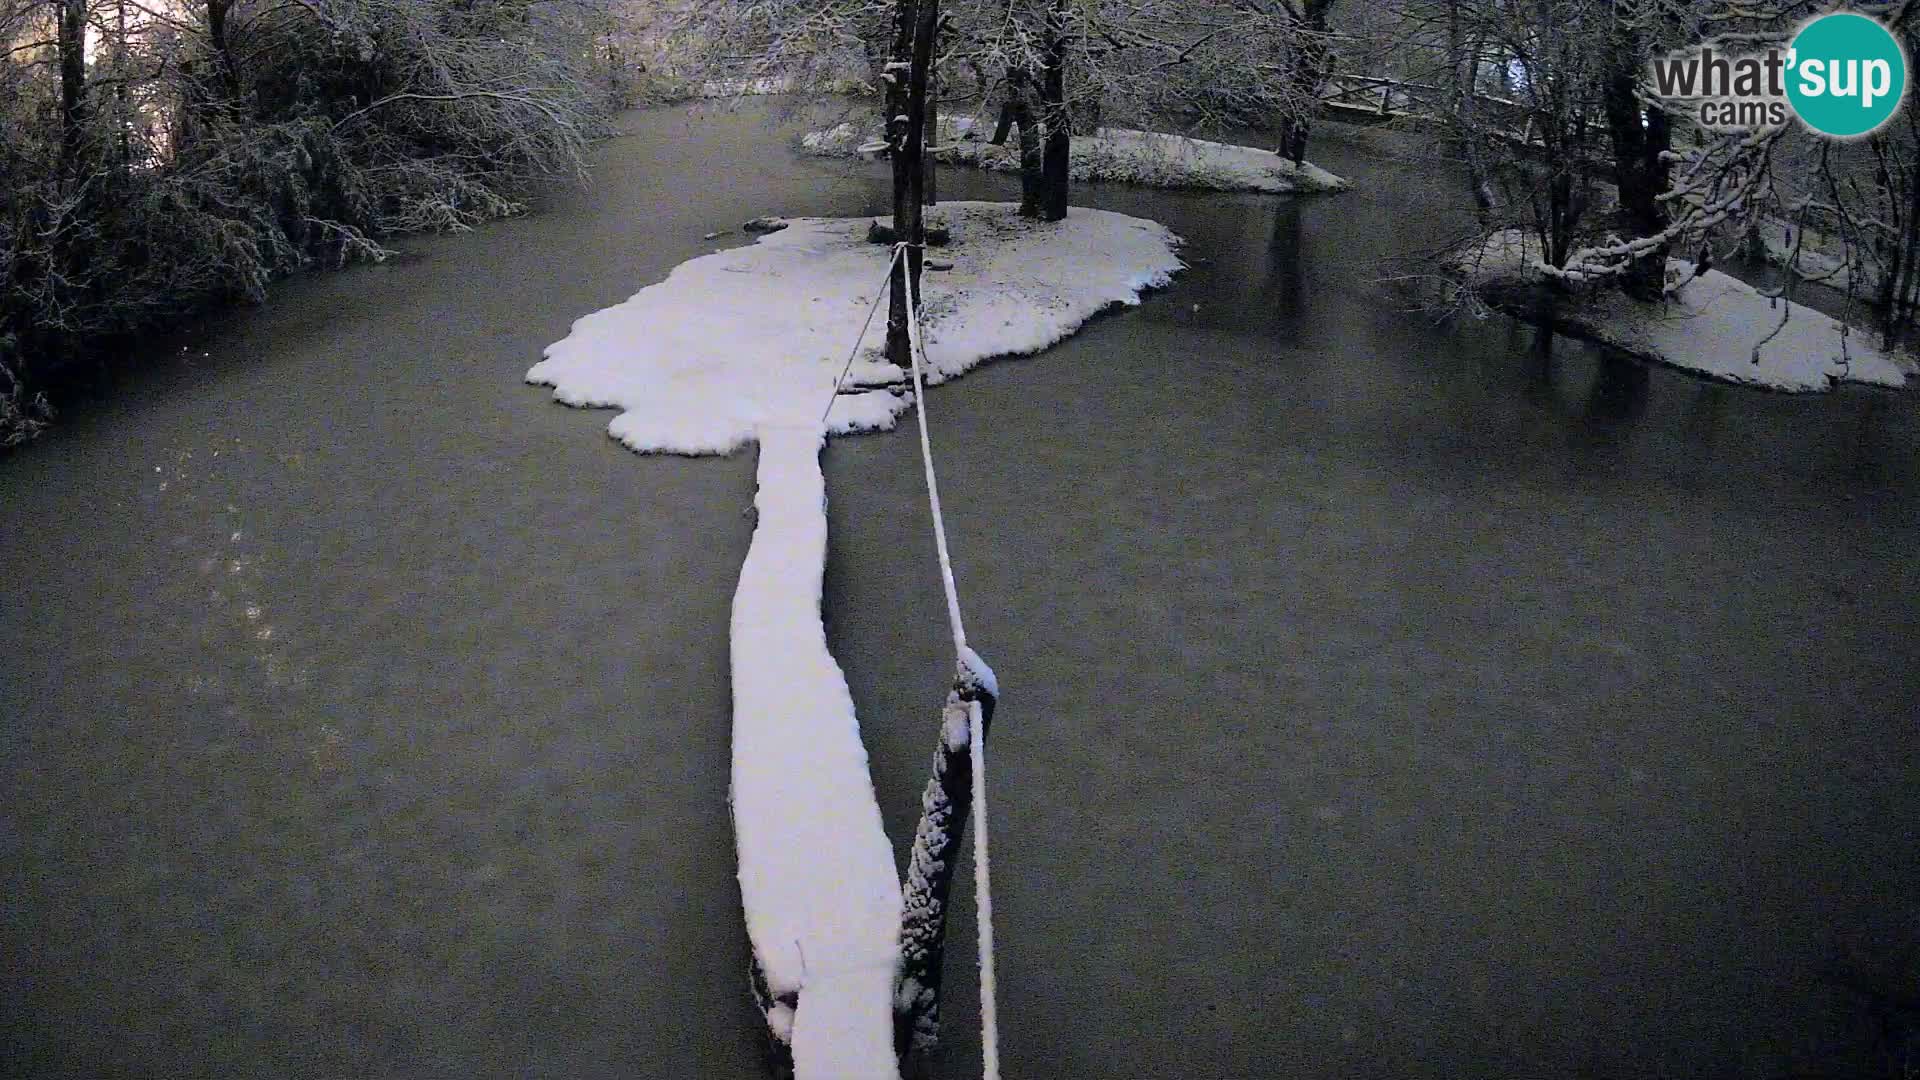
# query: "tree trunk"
x,y
73,83
914,25
1056,155
1086,117
1309,73
929,164
1560,217
1639,164
1021,110
123,113
930,868
1900,312
1898,183
225,72
1465,61
1005,124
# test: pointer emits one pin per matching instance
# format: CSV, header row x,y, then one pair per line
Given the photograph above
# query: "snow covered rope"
x,y
936,852
968,711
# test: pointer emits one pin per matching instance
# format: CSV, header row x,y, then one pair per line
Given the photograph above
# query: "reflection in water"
x,y
1539,355
240,623
1533,671
1866,463
1700,425
1619,393
1283,260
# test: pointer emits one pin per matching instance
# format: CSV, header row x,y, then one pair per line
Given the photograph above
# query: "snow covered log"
x,y
936,852
816,870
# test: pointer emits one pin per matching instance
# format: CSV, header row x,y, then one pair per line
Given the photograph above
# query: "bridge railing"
x,y
1382,96
1375,99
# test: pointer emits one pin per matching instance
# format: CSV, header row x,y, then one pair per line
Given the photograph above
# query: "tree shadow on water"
x,y
1619,392
1285,262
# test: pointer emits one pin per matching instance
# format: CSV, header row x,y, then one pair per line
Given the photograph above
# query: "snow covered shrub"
x,y
21,417
841,140
174,168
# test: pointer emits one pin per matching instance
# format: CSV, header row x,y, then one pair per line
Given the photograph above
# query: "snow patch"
x,y
1822,258
743,87
1713,325
974,668
746,345
816,869
1117,155
757,335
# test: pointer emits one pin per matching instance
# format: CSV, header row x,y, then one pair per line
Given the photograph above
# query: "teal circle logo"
x,y
1846,74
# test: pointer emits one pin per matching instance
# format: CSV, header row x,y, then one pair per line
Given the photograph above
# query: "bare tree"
x,y
1548,101
1641,137
1846,215
73,83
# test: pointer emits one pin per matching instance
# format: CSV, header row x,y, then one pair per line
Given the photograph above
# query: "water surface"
x,y
1381,698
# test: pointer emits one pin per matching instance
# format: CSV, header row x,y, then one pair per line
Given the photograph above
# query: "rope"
x,y
841,379
976,734
983,892
915,347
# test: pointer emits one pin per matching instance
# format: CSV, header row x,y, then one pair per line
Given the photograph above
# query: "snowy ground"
x,y
816,870
1120,155
1716,325
1823,258
755,336
745,345
723,88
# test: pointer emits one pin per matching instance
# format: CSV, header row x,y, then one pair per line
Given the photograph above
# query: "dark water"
x,y
1381,699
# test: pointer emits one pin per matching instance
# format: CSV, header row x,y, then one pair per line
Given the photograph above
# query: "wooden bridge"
x,y
1371,99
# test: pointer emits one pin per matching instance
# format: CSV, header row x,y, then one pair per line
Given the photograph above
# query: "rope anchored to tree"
x,y
958,785
972,674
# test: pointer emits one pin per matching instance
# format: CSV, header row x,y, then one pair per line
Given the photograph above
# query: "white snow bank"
x,y
1822,258
845,82
1119,155
756,335
714,88
1715,325
746,344
816,870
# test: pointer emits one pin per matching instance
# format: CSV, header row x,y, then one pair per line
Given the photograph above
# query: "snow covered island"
x,y
746,345
1119,155
1715,325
